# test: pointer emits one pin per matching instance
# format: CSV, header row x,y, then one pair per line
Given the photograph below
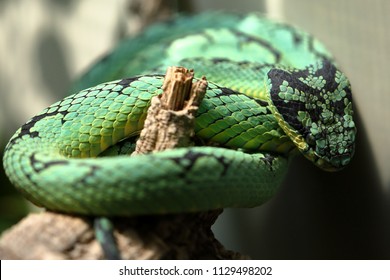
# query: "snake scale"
x,y
274,91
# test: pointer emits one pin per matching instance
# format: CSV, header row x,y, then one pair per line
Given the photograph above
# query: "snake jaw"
x,y
335,163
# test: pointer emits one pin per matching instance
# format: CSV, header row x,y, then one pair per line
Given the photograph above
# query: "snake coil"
x,y
274,90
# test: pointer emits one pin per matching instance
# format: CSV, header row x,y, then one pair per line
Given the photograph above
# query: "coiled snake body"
x,y
273,90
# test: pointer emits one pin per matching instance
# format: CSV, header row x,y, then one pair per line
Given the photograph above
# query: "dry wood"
x,y
170,120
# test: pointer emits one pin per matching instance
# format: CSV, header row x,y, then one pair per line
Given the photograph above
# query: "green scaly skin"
x,y
274,90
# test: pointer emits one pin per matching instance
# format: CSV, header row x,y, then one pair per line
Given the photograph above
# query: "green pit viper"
x,y
273,90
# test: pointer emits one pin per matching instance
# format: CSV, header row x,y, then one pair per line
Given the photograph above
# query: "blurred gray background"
x,y
47,44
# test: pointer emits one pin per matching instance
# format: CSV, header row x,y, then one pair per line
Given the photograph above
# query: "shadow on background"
x,y
51,68
55,76
319,215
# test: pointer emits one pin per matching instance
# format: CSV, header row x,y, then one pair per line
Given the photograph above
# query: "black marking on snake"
x,y
262,103
127,81
228,91
219,60
247,38
268,160
39,166
93,169
222,60
26,128
297,38
208,37
260,67
243,63
191,157
313,50
243,37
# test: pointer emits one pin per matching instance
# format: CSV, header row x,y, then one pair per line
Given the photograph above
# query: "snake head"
x,y
314,108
